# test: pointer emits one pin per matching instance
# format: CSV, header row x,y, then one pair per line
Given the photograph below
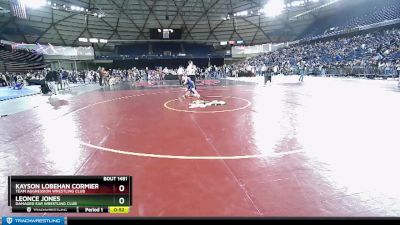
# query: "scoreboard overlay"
x,y
70,194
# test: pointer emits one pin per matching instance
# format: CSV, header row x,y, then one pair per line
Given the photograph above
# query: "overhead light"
x,y
83,39
274,8
104,41
223,43
93,40
34,4
159,30
241,13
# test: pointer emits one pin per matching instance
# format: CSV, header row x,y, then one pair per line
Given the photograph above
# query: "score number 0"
x,y
121,200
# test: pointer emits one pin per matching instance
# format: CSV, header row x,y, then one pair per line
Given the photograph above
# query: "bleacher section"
x,y
367,12
19,61
153,54
19,56
172,63
22,67
161,48
2,67
133,50
198,50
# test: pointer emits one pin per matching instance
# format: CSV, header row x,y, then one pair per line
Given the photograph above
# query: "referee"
x,y
191,71
180,74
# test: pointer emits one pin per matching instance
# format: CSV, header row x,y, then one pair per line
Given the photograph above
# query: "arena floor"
x,y
325,147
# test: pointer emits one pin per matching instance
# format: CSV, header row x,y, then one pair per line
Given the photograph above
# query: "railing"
x,y
361,71
350,71
126,57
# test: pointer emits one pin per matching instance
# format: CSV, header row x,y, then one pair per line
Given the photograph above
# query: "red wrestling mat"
x,y
272,151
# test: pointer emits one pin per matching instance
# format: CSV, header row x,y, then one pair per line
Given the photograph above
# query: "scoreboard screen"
x,y
70,194
165,34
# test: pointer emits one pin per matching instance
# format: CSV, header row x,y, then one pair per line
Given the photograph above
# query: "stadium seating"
x,y
19,60
371,12
160,48
377,53
198,50
138,49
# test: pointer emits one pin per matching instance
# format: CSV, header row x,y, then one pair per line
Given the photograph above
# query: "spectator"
x,y
342,56
51,80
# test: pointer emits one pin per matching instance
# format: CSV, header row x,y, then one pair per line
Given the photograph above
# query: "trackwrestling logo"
x,y
204,104
33,220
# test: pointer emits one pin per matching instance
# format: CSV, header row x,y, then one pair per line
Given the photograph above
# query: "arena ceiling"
x,y
126,21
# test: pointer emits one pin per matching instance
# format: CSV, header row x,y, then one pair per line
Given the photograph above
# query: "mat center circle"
x,y
223,104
